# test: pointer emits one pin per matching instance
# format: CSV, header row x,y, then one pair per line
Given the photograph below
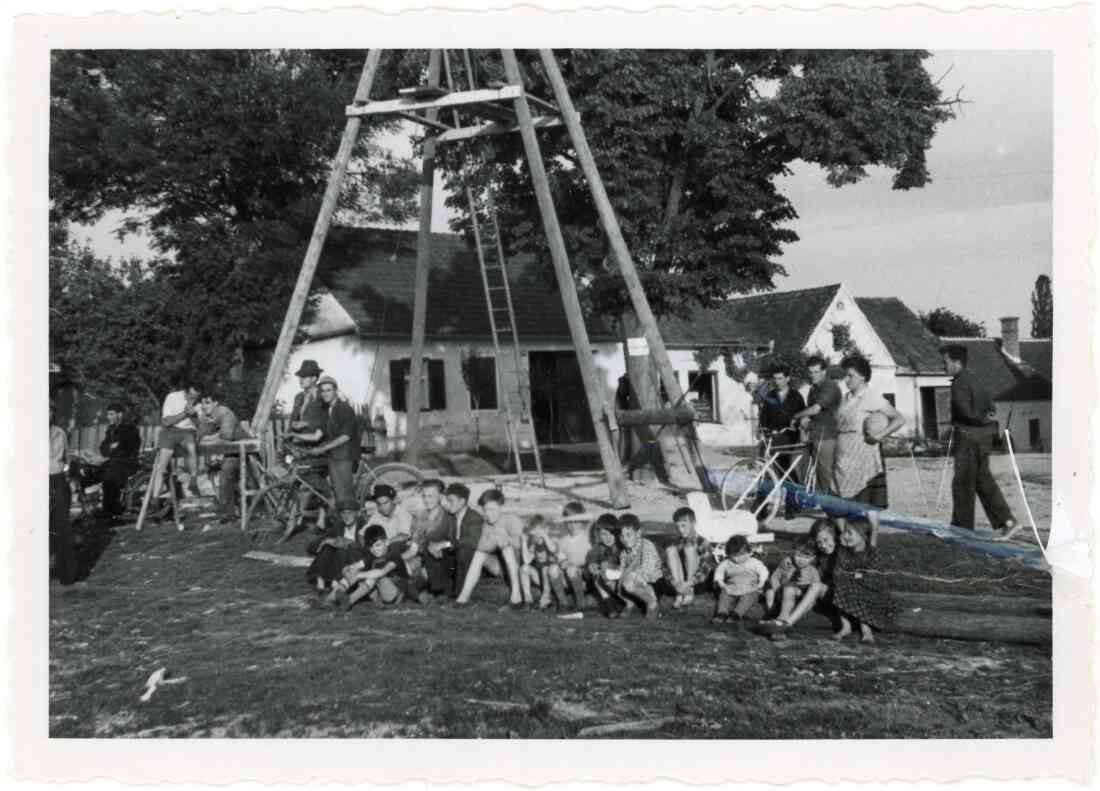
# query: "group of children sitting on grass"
x,y
443,550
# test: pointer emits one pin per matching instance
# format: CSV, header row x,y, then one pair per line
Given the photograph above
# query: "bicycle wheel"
x,y
404,478
766,492
273,512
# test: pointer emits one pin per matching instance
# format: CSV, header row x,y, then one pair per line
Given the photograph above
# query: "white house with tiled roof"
x,y
361,325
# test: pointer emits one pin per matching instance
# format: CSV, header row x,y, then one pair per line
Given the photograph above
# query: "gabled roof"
x,y
1039,354
1004,379
913,347
786,317
371,274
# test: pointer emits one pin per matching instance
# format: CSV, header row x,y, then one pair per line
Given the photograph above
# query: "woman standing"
x,y
60,500
860,470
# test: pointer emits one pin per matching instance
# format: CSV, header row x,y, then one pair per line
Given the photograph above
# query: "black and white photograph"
x,y
635,393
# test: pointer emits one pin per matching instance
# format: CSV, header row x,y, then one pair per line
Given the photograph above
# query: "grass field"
x,y
254,655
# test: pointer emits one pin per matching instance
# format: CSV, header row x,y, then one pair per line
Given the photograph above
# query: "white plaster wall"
x,y
1015,415
735,410
361,368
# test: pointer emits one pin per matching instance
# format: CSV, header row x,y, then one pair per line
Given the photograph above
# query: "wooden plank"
x,y
550,107
295,561
313,253
619,248
422,92
458,99
419,119
672,416
495,128
420,289
950,624
974,603
593,389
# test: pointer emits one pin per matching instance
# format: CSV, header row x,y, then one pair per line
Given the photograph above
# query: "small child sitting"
x,y
641,566
739,579
381,574
790,581
536,558
858,595
603,566
572,551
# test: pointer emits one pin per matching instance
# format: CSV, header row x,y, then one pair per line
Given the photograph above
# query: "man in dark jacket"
x,y
778,407
121,446
340,443
973,431
467,526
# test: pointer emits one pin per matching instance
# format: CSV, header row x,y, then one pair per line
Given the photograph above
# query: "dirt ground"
x,y
248,650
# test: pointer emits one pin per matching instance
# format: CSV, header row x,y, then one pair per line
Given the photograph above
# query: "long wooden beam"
x,y
423,265
482,95
494,128
593,389
313,252
423,121
611,227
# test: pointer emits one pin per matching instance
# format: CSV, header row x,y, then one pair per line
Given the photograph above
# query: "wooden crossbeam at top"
x,y
493,128
457,99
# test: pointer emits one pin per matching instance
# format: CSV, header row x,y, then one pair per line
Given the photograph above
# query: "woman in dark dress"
x,y
857,595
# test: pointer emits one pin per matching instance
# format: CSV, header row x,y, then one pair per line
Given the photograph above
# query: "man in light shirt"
x,y
178,418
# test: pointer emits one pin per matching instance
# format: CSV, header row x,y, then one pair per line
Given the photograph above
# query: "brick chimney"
x,y
1010,336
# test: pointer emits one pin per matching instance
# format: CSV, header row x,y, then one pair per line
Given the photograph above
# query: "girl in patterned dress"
x,y
856,595
689,562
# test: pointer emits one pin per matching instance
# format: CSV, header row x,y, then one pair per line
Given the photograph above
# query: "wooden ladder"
x,y
515,380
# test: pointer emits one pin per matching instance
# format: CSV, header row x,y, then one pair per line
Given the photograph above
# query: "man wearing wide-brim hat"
x,y
307,425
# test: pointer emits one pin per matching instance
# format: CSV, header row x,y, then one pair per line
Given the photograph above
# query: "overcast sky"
x,y
973,241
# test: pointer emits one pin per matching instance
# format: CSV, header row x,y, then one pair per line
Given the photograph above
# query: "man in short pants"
x,y
178,427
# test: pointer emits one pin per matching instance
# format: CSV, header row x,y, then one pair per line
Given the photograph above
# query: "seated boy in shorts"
x,y
572,550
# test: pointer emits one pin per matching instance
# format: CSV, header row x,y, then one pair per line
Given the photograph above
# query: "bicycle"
x,y
275,510
758,476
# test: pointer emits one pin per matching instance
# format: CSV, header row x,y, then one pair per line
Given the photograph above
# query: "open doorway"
x,y
559,406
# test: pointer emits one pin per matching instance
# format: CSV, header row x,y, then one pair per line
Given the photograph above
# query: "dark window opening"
x,y
482,374
433,389
705,384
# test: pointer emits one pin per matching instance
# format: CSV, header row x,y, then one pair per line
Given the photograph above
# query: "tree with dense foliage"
x,y
1042,308
949,324
691,145
221,157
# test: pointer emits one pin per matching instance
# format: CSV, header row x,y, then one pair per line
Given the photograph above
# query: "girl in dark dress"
x,y
857,595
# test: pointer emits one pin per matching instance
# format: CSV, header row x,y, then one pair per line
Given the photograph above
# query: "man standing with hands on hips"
x,y
974,430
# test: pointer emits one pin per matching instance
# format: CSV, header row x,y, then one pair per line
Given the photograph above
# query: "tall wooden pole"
x,y
423,266
592,386
316,243
610,222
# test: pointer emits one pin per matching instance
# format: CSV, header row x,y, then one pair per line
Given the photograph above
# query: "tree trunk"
x,y
955,624
663,451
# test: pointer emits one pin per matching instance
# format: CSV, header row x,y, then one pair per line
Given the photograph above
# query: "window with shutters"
x,y
433,385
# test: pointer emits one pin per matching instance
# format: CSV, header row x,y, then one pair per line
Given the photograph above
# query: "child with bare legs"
x,y
823,534
641,566
503,534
